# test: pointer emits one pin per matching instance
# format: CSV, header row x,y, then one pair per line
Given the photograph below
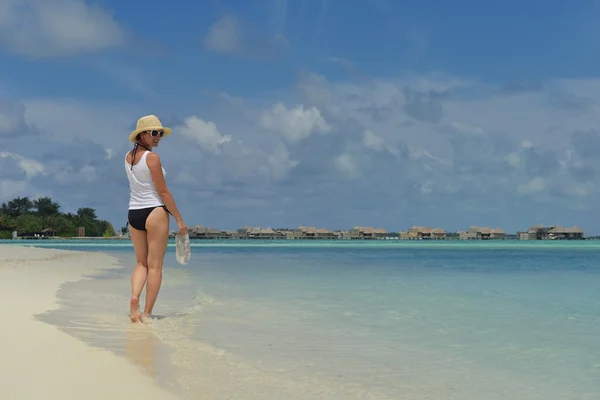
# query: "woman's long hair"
x,y
135,147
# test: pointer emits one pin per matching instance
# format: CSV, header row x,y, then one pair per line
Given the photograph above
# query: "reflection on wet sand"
x,y
141,346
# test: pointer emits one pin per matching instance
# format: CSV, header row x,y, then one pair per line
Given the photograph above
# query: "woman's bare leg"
x,y
157,226
140,271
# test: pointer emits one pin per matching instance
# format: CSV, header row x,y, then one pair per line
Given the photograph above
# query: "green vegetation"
x,y
33,216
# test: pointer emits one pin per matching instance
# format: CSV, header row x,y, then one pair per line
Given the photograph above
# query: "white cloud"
x,y
31,167
295,123
372,141
467,129
513,159
347,165
426,187
204,133
41,28
581,189
230,36
224,36
9,122
534,186
526,144
280,162
12,120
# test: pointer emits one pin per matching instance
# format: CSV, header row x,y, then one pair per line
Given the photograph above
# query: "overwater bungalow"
x,y
423,233
540,232
307,232
367,232
565,233
482,233
261,233
204,232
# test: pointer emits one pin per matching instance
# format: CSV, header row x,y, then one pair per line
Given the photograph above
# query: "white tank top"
x,y
143,193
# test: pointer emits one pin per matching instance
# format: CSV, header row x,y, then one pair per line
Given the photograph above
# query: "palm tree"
x,y
46,207
87,213
18,206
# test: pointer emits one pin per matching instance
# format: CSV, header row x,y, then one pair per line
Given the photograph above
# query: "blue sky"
x,y
316,112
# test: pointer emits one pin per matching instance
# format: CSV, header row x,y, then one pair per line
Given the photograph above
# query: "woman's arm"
x,y
153,161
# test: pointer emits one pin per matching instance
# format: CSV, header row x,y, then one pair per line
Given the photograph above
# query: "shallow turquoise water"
x,y
359,320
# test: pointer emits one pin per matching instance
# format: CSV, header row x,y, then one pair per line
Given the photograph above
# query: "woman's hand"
x,y
182,227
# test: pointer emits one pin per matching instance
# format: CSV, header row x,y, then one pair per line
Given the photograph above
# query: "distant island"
x,y
41,218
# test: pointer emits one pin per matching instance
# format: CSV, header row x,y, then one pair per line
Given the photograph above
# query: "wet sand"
x,y
40,361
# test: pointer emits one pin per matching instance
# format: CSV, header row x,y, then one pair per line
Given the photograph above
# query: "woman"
x,y
150,203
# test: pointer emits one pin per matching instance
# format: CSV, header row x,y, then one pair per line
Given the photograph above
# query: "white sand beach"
x,y
38,360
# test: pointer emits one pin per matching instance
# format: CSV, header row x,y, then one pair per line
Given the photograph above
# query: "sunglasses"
x,y
156,133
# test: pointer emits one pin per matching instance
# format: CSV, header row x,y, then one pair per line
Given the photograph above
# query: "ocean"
x,y
355,319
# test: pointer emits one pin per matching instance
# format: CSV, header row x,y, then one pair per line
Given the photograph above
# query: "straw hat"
x,y
148,123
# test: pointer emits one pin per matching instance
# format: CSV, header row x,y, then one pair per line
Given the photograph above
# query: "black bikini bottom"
x,y
137,218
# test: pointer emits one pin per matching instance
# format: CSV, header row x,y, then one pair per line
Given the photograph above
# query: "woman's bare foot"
x,y
146,318
134,310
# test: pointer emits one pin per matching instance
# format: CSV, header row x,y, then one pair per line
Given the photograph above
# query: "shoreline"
x,y
40,357
244,239
80,244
